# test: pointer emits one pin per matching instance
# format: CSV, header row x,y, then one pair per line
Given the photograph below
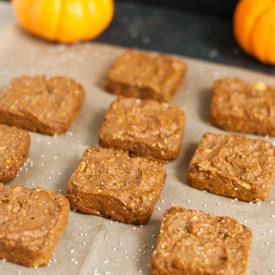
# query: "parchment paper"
x,y
94,245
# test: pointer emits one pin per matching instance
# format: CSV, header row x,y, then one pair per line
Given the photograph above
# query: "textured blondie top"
x,y
111,183
14,149
41,104
193,242
31,224
144,127
244,107
233,166
143,75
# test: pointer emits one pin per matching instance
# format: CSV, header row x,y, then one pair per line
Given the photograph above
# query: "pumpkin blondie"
x,y
193,242
32,222
143,127
14,149
110,183
143,75
41,104
243,107
233,166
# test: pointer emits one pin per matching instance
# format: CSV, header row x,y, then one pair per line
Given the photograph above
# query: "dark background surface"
x,y
221,7
195,28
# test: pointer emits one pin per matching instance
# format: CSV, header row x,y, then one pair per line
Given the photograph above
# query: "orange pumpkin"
x,y
254,28
65,21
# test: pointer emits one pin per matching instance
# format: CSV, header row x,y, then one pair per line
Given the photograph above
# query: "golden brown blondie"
x,y
32,222
193,242
41,104
143,75
233,166
143,127
243,107
14,149
110,183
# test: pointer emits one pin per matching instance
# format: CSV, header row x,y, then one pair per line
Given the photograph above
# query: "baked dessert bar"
x,y
193,242
110,183
233,166
143,75
31,224
143,127
243,107
41,104
14,149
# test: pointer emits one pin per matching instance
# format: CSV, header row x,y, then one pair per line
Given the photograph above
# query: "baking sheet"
x,y
94,245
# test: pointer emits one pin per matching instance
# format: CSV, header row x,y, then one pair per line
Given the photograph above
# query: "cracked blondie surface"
x,y
193,242
14,150
31,224
41,104
143,75
110,183
243,107
233,166
143,127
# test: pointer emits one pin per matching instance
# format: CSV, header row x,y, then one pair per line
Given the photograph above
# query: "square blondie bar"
x,y
41,104
110,183
144,75
233,166
14,149
243,107
143,127
32,222
193,242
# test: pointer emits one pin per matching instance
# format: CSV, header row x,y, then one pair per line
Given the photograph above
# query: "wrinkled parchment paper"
x,y
94,245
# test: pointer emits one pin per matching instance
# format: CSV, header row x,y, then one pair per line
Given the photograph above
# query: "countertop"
x,y
197,35
178,31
